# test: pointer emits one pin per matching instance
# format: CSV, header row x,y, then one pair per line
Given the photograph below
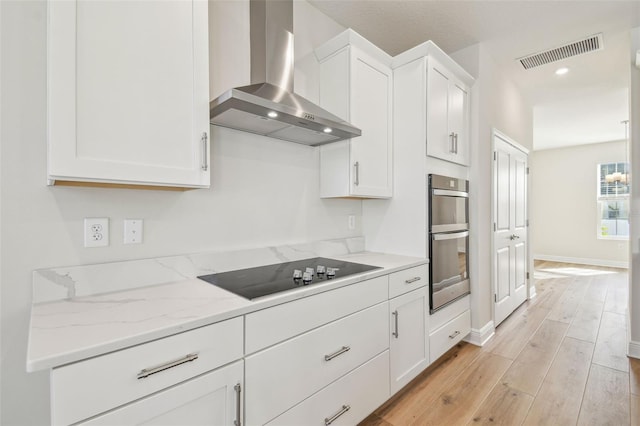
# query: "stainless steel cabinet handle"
x,y
144,373
395,316
329,420
449,236
450,193
453,336
412,280
205,152
452,148
238,390
356,180
338,353
455,138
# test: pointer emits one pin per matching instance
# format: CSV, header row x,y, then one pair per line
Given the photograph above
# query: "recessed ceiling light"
x,y
272,114
562,71
328,130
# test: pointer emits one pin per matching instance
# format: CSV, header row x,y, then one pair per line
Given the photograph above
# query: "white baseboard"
x,y
633,348
480,336
583,261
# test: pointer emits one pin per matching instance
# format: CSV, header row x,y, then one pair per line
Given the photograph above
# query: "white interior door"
x,y
510,231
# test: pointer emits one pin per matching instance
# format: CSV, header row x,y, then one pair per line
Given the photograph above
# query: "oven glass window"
x,y
448,213
449,270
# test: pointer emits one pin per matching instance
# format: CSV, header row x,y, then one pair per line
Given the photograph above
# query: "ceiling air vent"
x,y
586,45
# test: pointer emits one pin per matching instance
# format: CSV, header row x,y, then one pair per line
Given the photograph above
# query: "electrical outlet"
x,y
96,231
133,231
352,222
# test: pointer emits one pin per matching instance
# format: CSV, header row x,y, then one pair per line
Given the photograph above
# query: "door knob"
x,y
514,237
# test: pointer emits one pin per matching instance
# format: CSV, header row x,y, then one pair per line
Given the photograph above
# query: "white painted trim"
x,y
633,348
583,261
516,145
479,337
532,289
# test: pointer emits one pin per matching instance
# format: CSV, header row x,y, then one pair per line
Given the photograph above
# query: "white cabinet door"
x,y
371,111
447,115
409,345
439,142
357,87
211,399
458,122
128,99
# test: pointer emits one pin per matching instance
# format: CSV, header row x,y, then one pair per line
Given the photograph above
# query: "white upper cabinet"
x,y
356,85
128,93
447,115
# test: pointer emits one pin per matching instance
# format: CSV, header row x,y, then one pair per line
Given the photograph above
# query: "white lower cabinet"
x,y
211,399
445,337
282,376
330,358
346,401
93,386
409,346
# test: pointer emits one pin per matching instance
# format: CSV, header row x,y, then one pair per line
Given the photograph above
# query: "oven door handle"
x,y
450,235
450,193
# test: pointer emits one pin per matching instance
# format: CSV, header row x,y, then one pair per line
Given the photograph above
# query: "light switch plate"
x,y
133,231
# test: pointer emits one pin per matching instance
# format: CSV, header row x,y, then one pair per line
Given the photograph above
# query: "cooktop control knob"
x,y
331,273
297,274
320,270
307,278
310,271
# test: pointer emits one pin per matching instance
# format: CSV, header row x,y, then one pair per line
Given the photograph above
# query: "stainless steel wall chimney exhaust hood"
x,y
269,107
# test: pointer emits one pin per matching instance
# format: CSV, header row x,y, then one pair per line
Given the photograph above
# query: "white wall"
x,y
263,192
634,215
564,210
496,103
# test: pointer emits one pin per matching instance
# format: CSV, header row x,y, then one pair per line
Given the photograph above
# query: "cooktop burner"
x,y
261,281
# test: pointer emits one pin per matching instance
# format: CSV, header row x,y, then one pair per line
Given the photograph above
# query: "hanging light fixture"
x,y
618,177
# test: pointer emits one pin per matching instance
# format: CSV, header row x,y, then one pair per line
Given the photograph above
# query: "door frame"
x,y
531,291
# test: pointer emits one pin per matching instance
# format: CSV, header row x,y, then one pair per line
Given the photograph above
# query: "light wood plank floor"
x,y
559,359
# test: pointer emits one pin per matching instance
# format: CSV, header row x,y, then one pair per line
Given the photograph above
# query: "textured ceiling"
x,y
583,106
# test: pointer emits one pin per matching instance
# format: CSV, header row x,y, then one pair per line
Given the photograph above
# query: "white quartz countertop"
x,y
77,328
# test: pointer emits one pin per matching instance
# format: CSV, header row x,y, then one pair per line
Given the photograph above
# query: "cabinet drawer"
x,y
282,376
449,334
445,314
90,387
270,326
404,281
208,399
362,391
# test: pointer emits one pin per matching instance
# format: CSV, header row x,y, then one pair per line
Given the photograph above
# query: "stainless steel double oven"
x,y
448,240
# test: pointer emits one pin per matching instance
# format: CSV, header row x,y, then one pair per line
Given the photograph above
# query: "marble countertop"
x,y
79,327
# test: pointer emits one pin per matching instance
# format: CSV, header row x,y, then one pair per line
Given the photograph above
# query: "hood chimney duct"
x,y
268,106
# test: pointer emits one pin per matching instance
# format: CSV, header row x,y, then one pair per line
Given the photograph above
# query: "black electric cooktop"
x,y
261,281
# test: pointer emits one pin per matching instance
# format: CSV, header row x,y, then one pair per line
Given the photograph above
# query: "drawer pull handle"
x,y
238,390
453,336
153,370
338,353
329,420
395,334
412,280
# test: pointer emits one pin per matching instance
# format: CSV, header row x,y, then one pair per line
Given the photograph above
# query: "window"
x,y
613,201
